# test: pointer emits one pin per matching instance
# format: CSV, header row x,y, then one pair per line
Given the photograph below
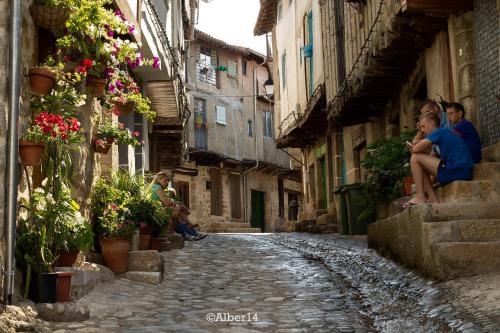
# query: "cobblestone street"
x,y
275,285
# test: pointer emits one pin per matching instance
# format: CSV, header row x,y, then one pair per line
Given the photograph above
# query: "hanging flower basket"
x,y
42,80
124,107
96,85
31,152
50,17
103,146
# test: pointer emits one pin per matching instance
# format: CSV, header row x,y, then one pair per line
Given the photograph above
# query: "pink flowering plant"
x,y
114,222
117,133
123,89
99,35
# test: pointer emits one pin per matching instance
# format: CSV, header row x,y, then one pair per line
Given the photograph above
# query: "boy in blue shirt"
x,y
455,162
465,129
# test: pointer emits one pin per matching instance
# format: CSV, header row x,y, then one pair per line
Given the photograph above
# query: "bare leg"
x,y
422,167
429,190
418,177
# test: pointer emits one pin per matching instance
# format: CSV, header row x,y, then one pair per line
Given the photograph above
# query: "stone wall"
x,y
488,68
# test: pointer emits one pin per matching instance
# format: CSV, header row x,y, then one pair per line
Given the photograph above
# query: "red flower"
x,y
87,63
136,134
121,126
98,142
75,125
82,69
115,111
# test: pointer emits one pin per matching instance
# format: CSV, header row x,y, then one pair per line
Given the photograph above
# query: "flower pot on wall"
x,y
145,242
103,148
407,184
124,107
63,286
156,243
115,251
49,17
67,258
43,288
96,85
41,80
31,153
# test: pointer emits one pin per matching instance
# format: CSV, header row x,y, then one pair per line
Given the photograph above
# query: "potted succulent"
x,y
43,77
51,14
109,133
116,232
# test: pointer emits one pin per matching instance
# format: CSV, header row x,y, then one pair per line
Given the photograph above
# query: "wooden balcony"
x,y
437,7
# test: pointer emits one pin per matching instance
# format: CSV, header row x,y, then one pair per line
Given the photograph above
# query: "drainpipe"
x,y
245,183
11,173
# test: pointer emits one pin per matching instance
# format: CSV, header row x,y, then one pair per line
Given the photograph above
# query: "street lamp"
x,y
269,87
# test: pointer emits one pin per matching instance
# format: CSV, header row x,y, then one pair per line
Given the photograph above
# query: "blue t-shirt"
x,y
453,150
468,133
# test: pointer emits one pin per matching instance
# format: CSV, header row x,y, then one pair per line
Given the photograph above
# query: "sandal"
x,y
409,204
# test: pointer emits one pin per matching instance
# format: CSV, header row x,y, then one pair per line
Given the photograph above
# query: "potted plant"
x,y
109,133
32,145
51,14
116,232
124,96
43,77
73,236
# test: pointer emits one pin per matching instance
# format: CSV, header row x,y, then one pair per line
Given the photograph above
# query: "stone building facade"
x,y
380,60
233,172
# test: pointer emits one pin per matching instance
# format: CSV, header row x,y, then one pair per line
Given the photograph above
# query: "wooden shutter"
x,y
232,69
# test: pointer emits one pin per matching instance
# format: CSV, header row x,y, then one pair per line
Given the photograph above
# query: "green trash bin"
x,y
355,204
342,209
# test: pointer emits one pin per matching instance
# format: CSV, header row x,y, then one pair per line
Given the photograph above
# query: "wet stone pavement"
x,y
272,283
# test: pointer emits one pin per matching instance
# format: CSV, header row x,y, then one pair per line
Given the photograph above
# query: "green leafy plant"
x,y
386,164
115,222
57,3
117,133
104,193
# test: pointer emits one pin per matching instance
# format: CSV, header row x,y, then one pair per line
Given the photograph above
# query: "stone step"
x,y
460,211
471,191
301,226
486,171
244,230
323,229
224,225
326,219
460,259
464,230
491,153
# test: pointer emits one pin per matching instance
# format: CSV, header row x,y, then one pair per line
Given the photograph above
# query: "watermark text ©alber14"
x,y
229,317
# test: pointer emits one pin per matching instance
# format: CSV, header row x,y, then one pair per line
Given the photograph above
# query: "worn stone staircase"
x,y
325,222
231,226
456,238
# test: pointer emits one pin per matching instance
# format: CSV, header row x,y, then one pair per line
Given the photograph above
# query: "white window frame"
x,y
220,115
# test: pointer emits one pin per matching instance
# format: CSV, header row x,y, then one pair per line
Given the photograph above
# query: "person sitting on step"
x,y
455,162
182,225
465,129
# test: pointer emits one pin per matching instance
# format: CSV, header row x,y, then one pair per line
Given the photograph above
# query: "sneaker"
x,y
190,238
200,237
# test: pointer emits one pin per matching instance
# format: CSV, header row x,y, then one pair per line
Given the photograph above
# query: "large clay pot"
x,y
145,240
407,184
100,149
49,17
67,258
115,253
156,243
63,286
31,153
124,107
96,85
43,288
42,80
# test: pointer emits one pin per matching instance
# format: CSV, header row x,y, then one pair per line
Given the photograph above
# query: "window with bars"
x,y
206,65
220,115
268,124
250,128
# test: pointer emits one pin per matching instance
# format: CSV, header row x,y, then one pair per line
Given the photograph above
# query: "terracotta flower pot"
x,y
96,85
115,251
145,241
31,153
103,149
64,286
67,258
145,229
49,17
156,243
124,107
407,184
41,80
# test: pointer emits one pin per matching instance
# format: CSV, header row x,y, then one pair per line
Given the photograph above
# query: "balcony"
x,y
437,7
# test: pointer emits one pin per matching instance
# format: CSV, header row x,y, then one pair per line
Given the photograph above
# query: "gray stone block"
x,y
144,261
144,277
63,312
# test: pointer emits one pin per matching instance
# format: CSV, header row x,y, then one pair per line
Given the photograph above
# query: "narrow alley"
x,y
275,283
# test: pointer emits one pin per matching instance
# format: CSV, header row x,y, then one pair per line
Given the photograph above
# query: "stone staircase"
x,y
458,237
325,222
232,226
